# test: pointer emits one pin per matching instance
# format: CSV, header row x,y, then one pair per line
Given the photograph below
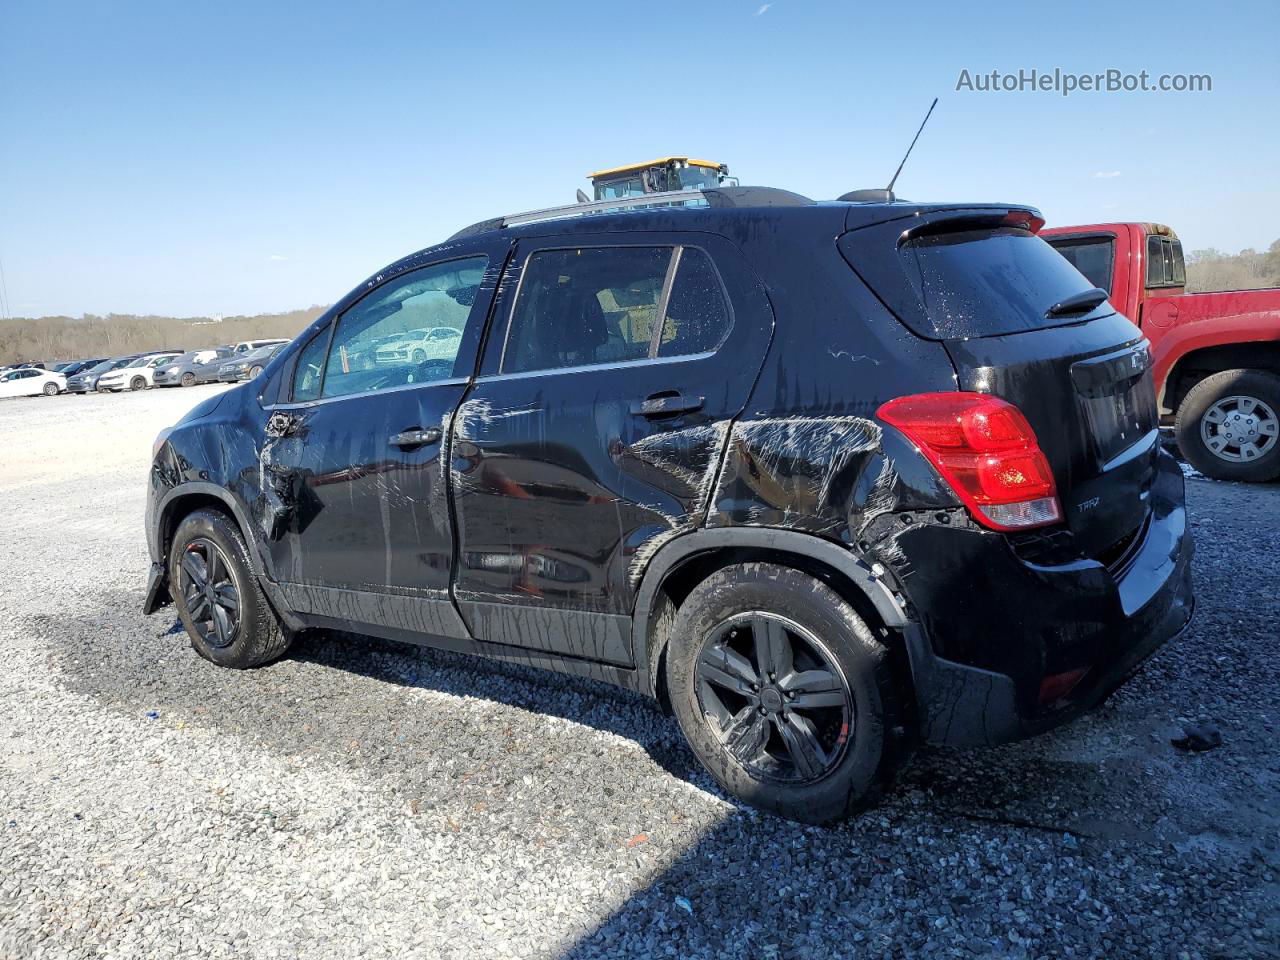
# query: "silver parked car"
x,y
195,366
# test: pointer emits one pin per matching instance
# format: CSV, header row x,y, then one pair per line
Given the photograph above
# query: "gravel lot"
x,y
382,800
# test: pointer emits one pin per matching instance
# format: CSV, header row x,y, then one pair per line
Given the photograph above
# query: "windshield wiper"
x,y
1077,303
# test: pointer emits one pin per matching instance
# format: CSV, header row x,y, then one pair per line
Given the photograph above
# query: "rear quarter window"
x,y
959,283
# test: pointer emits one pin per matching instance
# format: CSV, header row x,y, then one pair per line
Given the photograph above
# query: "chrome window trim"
x,y
308,404
588,367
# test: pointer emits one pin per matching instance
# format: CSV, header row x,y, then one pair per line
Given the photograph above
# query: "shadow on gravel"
x,y
540,691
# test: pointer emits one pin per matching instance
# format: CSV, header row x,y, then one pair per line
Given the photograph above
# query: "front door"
x,y
356,454
596,429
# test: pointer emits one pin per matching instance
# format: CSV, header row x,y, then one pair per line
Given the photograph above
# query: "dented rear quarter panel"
x,y
807,453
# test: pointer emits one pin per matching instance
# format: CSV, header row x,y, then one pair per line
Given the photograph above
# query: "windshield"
x,y
697,178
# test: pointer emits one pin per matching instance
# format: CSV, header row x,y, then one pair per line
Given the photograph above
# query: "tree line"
x,y
1213,270
52,339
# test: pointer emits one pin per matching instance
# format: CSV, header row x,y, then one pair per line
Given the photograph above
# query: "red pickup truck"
x,y
1216,356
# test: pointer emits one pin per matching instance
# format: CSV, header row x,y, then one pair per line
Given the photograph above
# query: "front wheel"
x,y
138,383
188,379
254,373
50,389
1228,425
217,596
783,693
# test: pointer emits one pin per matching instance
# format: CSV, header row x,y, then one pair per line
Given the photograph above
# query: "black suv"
x,y
826,479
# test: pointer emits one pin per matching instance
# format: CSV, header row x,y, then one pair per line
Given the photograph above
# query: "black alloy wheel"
x,y
210,593
774,697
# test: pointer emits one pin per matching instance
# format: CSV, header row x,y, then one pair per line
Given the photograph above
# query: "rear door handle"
x,y
415,437
666,405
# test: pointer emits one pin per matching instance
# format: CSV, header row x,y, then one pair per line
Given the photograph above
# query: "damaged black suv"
x,y
825,479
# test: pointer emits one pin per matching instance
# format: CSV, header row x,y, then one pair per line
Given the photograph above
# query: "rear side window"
x,y
1165,265
1092,256
600,305
978,282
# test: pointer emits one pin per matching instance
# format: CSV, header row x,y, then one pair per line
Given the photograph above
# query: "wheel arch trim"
x,y
203,488
672,556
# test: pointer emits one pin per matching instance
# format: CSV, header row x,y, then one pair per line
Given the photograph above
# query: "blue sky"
x,y
244,157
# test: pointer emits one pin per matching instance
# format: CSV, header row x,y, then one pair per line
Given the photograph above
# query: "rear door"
x,y
593,436
999,298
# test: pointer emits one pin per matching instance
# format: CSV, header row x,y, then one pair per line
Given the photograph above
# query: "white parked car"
x,y
419,346
138,375
31,382
247,346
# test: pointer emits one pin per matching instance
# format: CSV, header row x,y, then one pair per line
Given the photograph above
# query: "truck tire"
x,y
783,692
1228,425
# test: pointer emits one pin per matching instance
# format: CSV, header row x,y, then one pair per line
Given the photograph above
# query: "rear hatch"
x,y
1019,322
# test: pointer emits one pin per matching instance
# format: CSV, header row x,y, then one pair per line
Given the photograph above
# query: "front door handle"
x,y
666,405
415,437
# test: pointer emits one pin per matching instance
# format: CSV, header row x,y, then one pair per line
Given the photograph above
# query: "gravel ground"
x,y
383,800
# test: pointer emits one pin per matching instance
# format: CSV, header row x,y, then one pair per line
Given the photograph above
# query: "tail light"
x,y
985,449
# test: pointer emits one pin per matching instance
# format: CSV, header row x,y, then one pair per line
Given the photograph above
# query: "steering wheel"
x,y
430,370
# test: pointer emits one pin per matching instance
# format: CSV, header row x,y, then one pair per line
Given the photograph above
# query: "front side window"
x,y
599,305
406,331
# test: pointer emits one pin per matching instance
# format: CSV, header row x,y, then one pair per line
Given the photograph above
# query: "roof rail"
x,y
717,197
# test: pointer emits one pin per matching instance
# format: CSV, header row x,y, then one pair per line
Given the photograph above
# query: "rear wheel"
x,y
217,596
188,379
50,389
1228,425
138,383
782,692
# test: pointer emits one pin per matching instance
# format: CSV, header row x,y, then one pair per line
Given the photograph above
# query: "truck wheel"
x,y
1228,425
218,598
782,692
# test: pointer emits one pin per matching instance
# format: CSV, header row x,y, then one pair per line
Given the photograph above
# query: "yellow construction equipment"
x,y
659,176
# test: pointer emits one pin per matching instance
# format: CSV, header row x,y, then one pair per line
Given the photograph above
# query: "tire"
x,y
254,372
188,379
256,637
418,356
50,389
1221,410
138,383
856,764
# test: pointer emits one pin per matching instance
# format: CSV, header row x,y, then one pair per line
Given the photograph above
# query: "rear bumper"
x,y
983,685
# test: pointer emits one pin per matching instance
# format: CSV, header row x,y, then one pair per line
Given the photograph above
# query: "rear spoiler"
x,y
929,218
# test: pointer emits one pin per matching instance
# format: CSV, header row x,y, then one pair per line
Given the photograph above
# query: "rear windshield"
x,y
1092,256
979,282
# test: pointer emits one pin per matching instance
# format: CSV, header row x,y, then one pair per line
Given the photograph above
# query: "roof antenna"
x,y
886,195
